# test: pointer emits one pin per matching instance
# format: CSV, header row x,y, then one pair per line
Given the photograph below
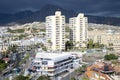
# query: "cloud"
x,y
100,7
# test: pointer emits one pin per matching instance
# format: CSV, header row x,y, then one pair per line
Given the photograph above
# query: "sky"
x,y
94,7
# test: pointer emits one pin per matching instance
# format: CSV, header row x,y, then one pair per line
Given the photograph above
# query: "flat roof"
x,y
53,56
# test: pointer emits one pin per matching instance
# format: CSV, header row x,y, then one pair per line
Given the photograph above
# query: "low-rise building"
x,y
28,42
52,64
6,60
99,71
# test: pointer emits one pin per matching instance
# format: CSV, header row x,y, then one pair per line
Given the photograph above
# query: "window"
x,y
44,62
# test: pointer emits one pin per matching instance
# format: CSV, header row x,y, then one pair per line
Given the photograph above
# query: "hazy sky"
x,y
96,7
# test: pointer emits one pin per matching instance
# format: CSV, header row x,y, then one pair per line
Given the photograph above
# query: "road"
x,y
19,57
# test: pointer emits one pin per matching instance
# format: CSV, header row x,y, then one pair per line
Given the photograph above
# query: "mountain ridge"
x,y
30,16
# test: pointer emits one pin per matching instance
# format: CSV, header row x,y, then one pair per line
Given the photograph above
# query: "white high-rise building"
x,y
79,30
55,31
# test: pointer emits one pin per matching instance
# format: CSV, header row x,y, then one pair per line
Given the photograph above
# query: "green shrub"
x,y
111,57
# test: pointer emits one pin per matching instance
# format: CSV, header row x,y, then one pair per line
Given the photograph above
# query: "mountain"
x,y
29,16
104,20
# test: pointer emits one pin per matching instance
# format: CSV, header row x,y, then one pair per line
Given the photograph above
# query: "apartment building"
x,y
79,30
55,31
110,38
52,64
96,35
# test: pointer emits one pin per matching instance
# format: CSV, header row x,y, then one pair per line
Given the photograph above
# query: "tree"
x,y
73,78
20,77
68,45
3,65
12,48
43,77
21,36
81,69
90,44
96,45
44,48
16,31
85,78
111,57
50,42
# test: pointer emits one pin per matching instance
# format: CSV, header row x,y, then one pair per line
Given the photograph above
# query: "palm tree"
x,y
43,77
49,43
20,77
77,44
73,78
68,45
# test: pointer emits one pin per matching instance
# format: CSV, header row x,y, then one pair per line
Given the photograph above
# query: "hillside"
x,y
29,16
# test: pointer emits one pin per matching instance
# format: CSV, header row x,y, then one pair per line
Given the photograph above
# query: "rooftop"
x,y
6,59
102,67
53,56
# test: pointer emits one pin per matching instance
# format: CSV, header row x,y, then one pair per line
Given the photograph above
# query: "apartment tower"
x,y
79,30
55,31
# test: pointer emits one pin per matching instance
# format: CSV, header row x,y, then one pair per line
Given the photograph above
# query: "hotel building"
x,y
79,30
55,31
52,64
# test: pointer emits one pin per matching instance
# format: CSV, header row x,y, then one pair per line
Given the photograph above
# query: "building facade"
x,y
110,38
79,30
55,31
52,64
